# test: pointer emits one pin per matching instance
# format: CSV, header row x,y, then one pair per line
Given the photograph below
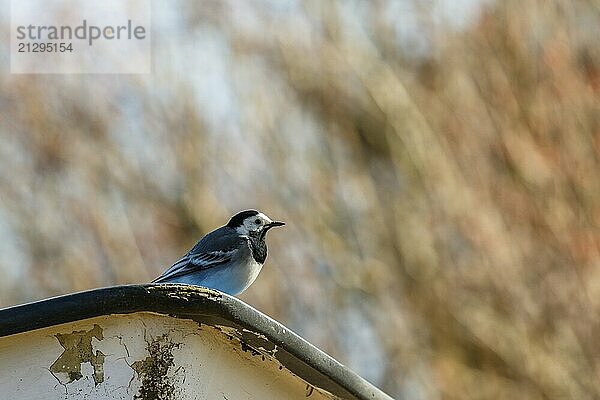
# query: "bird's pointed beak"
x,y
273,224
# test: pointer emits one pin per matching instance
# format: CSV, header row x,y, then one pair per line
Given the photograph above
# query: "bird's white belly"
x,y
231,279
251,271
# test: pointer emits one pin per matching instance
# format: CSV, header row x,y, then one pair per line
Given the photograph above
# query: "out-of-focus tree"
x,y
437,164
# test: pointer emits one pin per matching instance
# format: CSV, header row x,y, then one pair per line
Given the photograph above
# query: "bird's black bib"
x,y
258,246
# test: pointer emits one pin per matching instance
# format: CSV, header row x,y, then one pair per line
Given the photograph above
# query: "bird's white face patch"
x,y
254,223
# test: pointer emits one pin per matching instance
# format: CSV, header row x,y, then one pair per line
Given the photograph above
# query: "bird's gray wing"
x,y
216,248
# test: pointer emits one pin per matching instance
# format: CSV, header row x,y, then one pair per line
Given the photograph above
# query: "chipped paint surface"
x,y
78,350
153,371
145,356
254,342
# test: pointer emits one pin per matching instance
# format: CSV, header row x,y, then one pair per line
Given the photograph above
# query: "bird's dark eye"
x,y
257,221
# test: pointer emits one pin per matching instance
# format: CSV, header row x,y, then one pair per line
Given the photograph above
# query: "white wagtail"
x,y
227,259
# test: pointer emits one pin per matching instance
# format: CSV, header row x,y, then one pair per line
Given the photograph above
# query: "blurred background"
x,y
437,163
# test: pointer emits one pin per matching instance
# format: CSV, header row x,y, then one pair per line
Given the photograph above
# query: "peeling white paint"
x,y
238,335
260,335
207,363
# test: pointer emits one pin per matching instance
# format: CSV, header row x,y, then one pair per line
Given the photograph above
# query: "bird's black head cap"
x,y
238,219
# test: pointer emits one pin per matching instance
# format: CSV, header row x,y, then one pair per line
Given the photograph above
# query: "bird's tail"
x,y
165,276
